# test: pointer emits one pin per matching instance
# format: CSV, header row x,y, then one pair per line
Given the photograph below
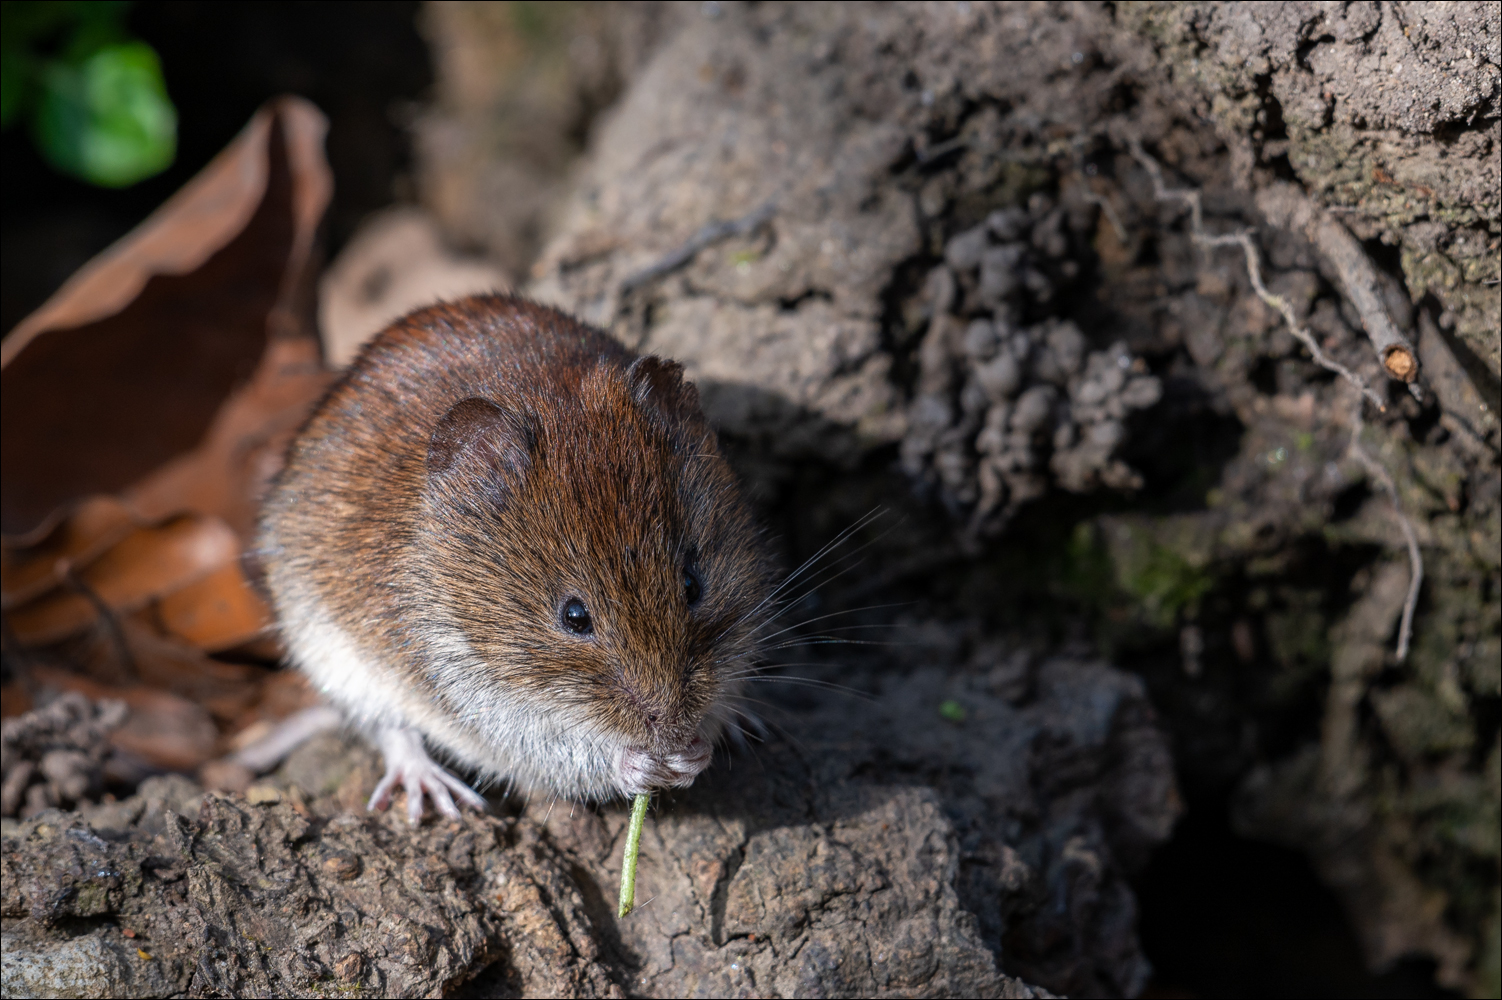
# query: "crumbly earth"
x,y
56,755
176,892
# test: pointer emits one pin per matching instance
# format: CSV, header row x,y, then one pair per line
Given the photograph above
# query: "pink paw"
x,y
408,765
638,771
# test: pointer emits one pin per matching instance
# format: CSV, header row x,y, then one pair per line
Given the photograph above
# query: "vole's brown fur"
x,y
481,464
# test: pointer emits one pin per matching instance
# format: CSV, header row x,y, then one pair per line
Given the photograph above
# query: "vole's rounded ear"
x,y
658,387
478,441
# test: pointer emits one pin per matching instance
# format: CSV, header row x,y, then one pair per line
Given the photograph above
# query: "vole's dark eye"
x,y
575,617
691,589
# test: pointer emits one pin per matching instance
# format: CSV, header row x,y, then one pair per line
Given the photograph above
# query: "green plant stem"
x,y
633,847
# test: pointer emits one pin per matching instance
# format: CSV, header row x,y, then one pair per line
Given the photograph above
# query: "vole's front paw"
x,y
639,771
408,764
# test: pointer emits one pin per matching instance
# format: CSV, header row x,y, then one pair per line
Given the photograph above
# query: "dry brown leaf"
x,y
190,227
168,732
219,612
89,531
146,406
229,472
149,563
165,662
14,700
283,693
127,366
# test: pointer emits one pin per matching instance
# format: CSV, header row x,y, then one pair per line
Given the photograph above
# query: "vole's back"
x,y
349,499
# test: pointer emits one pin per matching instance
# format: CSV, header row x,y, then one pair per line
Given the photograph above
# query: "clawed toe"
x,y
408,765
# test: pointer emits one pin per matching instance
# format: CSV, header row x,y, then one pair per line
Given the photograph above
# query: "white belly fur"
x,y
501,736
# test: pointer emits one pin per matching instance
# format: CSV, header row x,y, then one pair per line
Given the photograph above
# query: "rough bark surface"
x,y
177,892
874,851
881,850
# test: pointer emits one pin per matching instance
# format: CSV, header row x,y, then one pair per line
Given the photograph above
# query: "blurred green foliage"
x,y
94,97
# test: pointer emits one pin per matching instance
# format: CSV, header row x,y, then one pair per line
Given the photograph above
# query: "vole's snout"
x,y
658,707
640,771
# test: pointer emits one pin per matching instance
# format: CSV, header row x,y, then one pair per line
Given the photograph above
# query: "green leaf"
x,y
952,710
107,120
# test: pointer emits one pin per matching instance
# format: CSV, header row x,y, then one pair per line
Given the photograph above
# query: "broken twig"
x,y
706,236
1287,207
1394,349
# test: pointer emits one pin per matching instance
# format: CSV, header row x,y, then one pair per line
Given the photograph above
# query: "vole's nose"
x,y
656,705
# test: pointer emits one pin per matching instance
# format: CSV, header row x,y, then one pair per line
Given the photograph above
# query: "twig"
x,y
706,236
1377,471
1287,207
1243,239
1394,349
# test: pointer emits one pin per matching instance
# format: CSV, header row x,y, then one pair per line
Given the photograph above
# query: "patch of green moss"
x,y
1164,582
1086,574
92,899
1148,571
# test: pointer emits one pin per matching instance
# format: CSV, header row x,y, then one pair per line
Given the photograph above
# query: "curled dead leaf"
x,y
219,612
149,563
127,365
146,406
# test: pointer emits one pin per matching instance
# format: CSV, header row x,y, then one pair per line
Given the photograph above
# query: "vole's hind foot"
x,y
286,736
408,765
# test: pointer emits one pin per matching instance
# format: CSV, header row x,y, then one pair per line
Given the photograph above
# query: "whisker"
x,y
808,563
773,728
822,637
759,669
836,571
835,614
837,541
810,682
818,638
831,640
794,602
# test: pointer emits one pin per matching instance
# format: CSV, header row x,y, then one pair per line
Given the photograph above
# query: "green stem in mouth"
x,y
633,847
